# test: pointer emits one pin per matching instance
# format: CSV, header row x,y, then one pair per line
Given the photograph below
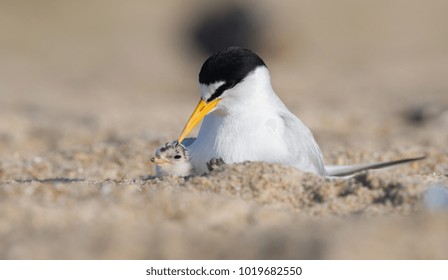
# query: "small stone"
x,y
436,197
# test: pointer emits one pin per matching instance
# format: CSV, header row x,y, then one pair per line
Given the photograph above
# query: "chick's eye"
x,y
177,156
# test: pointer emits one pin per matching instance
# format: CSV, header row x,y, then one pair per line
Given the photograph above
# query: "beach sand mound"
x,y
248,210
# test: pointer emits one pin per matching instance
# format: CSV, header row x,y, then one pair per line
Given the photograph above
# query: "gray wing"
x,y
301,144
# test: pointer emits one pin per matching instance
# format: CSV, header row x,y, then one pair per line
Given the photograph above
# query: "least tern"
x,y
172,160
244,120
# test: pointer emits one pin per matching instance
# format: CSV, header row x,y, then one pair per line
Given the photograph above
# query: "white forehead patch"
x,y
208,90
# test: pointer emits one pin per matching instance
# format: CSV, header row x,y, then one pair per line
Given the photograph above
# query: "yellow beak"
x,y
198,114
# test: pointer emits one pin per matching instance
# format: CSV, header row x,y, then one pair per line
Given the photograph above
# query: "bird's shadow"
x,y
147,177
50,180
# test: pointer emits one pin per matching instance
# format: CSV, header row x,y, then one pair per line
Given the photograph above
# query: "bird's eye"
x,y
177,156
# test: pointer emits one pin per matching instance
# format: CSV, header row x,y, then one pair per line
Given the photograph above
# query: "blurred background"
x,y
90,88
73,73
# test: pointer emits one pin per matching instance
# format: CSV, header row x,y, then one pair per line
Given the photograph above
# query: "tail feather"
x,y
347,170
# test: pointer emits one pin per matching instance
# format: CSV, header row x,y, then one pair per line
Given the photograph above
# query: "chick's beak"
x,y
202,109
159,160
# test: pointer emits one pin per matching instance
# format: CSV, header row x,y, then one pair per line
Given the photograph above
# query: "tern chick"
x,y
172,160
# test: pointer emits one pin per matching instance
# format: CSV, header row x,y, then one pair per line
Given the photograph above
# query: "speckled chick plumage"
x,y
172,159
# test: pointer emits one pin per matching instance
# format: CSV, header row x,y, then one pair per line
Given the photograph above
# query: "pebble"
x,y
436,197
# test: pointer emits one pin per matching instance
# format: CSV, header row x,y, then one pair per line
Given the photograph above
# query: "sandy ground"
x,y
87,95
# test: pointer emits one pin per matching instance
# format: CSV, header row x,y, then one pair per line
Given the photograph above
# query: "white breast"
x,y
239,139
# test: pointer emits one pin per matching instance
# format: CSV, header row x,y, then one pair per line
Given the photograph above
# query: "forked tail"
x,y
347,170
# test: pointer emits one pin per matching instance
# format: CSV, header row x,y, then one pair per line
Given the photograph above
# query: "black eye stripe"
x,y
218,92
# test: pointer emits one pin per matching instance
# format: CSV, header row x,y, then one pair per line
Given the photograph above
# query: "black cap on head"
x,y
230,65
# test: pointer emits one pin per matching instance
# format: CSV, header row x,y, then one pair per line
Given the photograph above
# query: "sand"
x,y
85,103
